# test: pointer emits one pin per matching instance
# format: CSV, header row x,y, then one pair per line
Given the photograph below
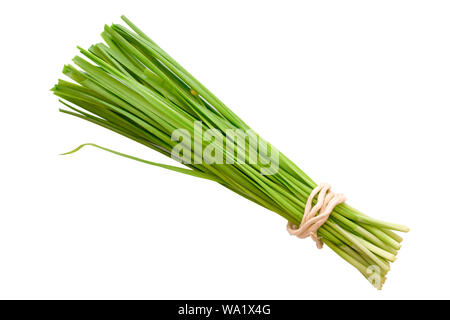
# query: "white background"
x,y
355,92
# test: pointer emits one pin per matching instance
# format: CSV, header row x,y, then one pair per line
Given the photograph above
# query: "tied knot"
x,y
315,217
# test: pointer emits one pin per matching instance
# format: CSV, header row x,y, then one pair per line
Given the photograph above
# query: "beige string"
x,y
311,222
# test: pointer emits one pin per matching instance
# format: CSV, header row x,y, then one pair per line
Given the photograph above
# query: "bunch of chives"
x,y
132,87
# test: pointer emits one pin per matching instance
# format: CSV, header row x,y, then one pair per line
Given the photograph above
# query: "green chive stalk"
x,y
131,86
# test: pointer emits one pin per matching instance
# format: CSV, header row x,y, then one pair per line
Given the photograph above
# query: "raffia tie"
x,y
315,217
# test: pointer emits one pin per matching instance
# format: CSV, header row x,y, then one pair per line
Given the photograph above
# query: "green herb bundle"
x,y
131,86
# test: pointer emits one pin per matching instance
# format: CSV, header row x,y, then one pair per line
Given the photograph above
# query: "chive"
x,y
131,86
